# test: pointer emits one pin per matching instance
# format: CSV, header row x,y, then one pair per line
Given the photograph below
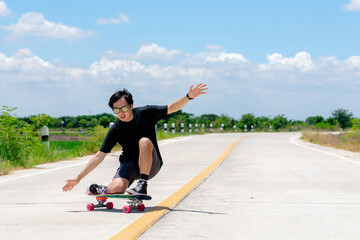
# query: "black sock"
x,y
144,177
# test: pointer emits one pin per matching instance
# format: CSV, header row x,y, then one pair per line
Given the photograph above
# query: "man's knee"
x,y
118,185
145,144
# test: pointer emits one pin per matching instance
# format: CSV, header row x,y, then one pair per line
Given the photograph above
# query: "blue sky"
x,y
297,58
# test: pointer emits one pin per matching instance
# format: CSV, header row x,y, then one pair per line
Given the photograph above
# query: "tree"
x,y
83,123
247,120
279,121
314,120
40,120
263,123
104,121
343,117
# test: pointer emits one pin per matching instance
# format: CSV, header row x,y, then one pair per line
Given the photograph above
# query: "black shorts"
x,y
130,169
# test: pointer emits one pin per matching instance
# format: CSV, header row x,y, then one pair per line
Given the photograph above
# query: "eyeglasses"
x,y
123,109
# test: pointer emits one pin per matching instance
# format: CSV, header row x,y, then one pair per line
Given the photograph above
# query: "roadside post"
x,y
173,128
165,128
45,137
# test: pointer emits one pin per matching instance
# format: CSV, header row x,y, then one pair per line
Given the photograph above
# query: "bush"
x,y
325,126
94,142
16,140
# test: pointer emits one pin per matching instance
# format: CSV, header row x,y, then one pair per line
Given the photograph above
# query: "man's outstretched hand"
x,y
198,90
70,184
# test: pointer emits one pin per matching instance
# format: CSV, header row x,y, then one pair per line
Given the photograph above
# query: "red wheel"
x,y
141,207
109,205
90,207
126,209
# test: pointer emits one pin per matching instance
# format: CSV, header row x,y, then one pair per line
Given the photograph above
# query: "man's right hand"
x,y
70,184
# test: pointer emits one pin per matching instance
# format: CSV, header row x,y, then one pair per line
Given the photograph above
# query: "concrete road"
x,y
271,186
33,206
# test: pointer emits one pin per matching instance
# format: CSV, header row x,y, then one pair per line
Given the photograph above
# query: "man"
x,y
135,132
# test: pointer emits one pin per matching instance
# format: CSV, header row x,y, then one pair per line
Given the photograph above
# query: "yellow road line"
x,y
139,226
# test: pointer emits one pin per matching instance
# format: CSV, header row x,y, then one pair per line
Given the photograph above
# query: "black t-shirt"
x,y
128,134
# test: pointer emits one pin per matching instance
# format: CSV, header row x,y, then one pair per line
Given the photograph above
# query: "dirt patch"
x,y
66,137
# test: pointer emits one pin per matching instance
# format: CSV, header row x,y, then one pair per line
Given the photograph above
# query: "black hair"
x,y
119,94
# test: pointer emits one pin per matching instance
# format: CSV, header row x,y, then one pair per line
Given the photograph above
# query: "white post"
x,y
173,127
45,137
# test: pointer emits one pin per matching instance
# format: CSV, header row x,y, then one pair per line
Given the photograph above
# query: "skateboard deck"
x,y
134,201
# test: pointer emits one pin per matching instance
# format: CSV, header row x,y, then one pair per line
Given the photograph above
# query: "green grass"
x,y
61,150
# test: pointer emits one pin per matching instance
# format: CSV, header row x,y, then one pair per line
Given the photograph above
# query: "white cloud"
x,y
213,47
150,51
354,5
34,24
153,51
4,10
227,57
234,81
218,66
121,18
301,61
23,62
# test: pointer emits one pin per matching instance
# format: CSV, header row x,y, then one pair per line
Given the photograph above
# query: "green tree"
x,y
40,120
16,139
343,117
104,121
279,122
247,120
355,129
263,123
314,120
93,123
83,123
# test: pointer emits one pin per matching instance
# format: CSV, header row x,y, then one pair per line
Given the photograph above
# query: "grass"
x,y
339,141
61,150
58,150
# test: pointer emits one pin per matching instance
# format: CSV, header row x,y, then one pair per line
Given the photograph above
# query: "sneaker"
x,y
140,188
96,189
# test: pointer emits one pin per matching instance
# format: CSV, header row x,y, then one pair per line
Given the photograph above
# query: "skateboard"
x,y
134,201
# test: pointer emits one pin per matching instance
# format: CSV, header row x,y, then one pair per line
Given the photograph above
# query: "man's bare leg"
x,y
145,162
118,185
145,157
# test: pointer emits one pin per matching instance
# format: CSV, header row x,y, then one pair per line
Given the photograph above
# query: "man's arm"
x,y
91,165
193,93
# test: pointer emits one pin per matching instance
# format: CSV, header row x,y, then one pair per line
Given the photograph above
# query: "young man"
x,y
135,132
